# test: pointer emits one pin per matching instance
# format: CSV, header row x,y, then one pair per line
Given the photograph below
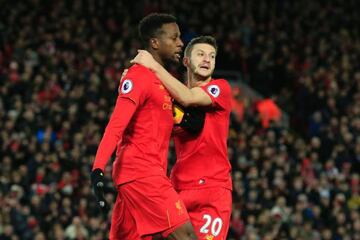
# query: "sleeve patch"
x,y
214,90
126,86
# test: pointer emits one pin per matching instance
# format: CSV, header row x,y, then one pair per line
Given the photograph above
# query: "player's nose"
x,y
206,58
180,43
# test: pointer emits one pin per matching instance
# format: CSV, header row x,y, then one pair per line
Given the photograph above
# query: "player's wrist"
x,y
97,175
156,67
98,171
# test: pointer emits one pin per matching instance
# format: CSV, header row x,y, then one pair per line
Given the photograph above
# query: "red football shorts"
x,y
123,224
147,206
209,210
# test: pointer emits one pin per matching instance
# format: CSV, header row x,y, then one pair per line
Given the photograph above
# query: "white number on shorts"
x,y
216,225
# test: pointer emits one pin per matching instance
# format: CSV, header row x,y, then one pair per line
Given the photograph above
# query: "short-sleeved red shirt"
x,y
202,160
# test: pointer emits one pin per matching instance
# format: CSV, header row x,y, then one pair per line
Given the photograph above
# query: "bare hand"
x,y
146,59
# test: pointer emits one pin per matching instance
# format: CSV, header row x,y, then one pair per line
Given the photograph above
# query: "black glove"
x,y
98,184
191,118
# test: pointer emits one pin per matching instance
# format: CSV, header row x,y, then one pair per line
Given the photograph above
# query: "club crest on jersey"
x,y
126,86
214,90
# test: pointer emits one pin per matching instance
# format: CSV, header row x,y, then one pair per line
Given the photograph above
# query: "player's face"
x,y
170,46
202,60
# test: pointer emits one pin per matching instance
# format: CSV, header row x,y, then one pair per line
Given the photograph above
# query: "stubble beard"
x,y
196,75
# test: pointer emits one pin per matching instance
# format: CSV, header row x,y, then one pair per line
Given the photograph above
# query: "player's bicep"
x,y
199,97
123,111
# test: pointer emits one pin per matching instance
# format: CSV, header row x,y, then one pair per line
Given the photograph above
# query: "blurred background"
x,y
294,142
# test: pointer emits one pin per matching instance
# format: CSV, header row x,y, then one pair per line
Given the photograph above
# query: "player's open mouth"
x,y
177,55
205,67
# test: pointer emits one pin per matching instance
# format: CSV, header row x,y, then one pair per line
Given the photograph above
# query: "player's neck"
x,y
156,57
195,80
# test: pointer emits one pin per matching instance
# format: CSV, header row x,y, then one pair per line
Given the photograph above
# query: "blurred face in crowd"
x,y
168,43
326,234
202,60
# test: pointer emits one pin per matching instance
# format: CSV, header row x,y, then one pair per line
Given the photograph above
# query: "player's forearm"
x,y
105,150
177,90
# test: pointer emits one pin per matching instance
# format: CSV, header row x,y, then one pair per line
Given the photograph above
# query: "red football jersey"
x,y
202,160
143,147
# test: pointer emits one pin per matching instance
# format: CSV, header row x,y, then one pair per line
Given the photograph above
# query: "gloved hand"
x,y
98,184
190,119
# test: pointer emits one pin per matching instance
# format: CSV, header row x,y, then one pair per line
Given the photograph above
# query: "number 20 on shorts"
x,y
212,225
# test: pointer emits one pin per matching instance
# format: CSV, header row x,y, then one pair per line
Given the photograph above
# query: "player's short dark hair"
x,y
201,39
150,25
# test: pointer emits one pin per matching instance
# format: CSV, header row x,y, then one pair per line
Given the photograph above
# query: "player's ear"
x,y
154,43
186,61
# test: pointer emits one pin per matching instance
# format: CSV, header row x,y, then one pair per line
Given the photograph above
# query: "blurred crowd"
x,y
60,64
